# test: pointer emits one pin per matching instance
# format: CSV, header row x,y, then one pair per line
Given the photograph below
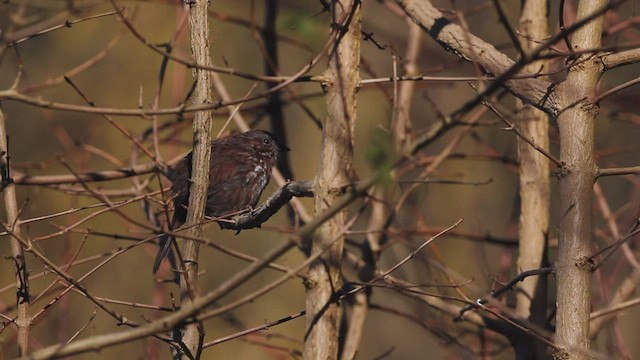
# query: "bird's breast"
x,y
260,175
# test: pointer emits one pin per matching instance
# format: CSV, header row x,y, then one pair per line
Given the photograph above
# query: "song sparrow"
x,y
238,173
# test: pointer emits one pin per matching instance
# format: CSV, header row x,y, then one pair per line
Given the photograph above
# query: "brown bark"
x,y
324,281
193,333
534,180
576,124
13,224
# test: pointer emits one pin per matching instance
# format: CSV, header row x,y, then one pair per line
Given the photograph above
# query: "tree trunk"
x,y
193,333
576,123
533,229
335,172
13,226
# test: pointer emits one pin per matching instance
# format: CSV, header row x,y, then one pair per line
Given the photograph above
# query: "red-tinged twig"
x,y
515,130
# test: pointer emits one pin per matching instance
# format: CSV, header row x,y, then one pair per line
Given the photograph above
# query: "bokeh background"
x,y
44,141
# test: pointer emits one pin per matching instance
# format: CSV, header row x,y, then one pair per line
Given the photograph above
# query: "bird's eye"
x,y
266,141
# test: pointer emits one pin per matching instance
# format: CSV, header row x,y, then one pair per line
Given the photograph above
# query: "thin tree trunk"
x,y
335,172
401,122
194,333
531,300
22,320
576,124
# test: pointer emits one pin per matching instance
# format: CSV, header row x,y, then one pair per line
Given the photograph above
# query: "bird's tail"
x,y
166,242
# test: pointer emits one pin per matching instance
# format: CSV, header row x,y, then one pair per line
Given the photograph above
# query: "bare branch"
x,y
614,60
633,170
277,200
468,46
105,175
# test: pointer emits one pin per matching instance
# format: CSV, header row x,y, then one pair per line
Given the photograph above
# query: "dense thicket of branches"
x,y
470,179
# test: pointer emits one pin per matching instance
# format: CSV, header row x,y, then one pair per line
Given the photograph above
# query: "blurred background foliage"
x,y
44,141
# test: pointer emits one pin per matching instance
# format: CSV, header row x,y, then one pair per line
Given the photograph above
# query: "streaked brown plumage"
x,y
238,173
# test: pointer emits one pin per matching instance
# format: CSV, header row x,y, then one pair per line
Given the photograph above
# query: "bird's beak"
x,y
283,148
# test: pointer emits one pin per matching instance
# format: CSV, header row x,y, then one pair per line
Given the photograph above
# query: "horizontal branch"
x,y
277,200
633,170
25,179
508,286
621,58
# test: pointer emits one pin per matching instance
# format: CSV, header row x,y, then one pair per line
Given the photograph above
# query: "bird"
x,y
239,171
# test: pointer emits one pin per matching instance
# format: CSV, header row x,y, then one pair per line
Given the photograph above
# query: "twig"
x,y
633,170
254,329
565,35
277,200
66,24
169,322
512,127
508,286
512,35
614,90
105,175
